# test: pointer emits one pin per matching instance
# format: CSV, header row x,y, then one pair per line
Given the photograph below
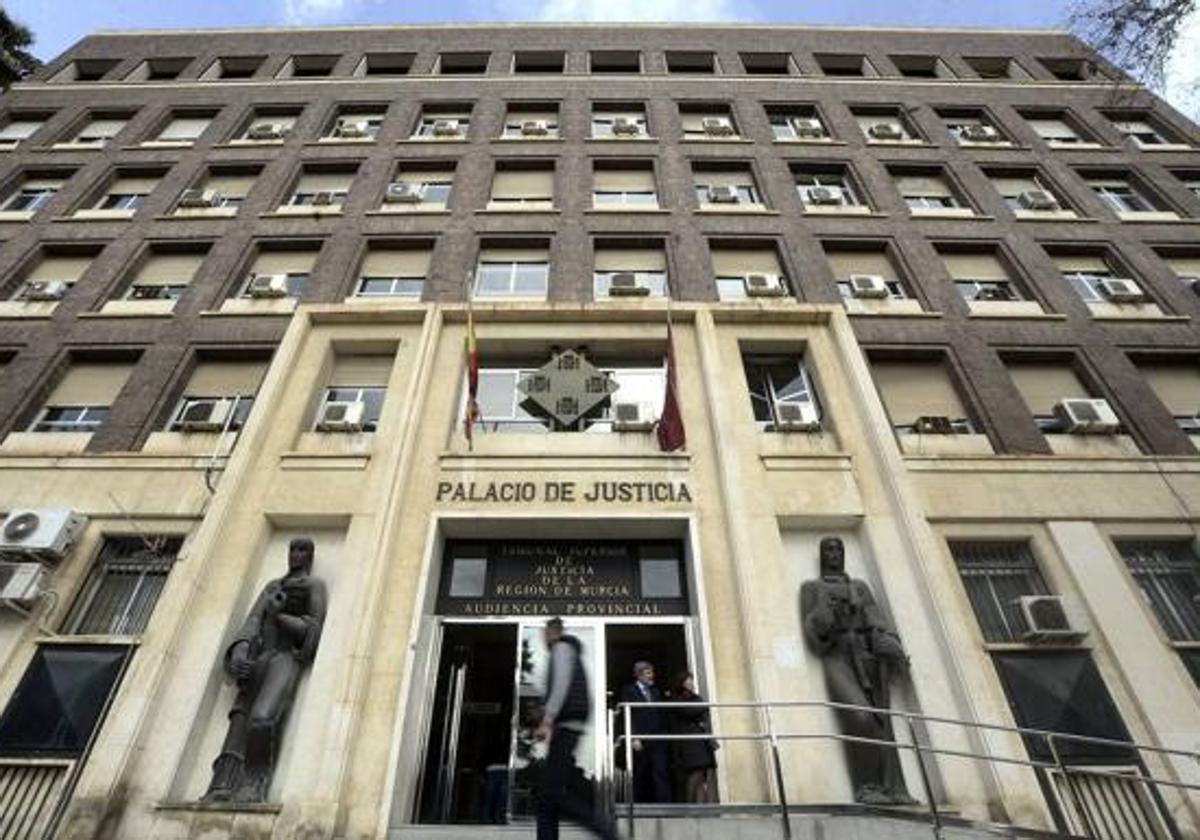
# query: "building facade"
x,y
931,292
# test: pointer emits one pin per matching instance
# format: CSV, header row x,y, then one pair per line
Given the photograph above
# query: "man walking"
x,y
651,773
566,710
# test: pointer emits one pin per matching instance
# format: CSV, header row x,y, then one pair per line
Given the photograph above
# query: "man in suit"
x,y
651,775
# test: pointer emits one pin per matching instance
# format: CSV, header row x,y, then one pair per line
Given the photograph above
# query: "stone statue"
x,y
277,640
861,652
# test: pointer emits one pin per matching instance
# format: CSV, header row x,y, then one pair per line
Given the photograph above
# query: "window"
x,y
615,61
707,122
539,62
1191,182
394,270
1143,131
623,185
875,261
1057,130
159,69
61,699
767,63
359,379
1176,383
1085,273
127,192
797,123
680,61
502,406
996,575
1185,264
886,125
844,64
1042,385
221,391
1027,194
647,264
53,268
973,128
319,189
233,67
33,193
996,67
17,130
269,127
922,67
386,64
99,130
85,70
724,187
1168,574
356,124
81,399
222,188
123,586
531,122
308,66
914,389
443,123
775,381
981,276
294,266
164,275
1124,197
184,128
928,193
1070,69
522,187
462,63
619,122
512,272
734,261
429,187
827,191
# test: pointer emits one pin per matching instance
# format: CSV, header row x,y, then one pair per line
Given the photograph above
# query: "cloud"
x,y
306,12
1182,83
624,10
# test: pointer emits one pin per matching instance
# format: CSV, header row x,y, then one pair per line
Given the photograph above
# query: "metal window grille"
x,y
1168,573
123,586
995,575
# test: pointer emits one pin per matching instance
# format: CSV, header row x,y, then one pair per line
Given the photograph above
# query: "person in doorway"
x,y
651,764
693,759
565,712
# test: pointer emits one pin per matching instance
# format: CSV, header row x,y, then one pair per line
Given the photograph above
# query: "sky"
x,y
59,23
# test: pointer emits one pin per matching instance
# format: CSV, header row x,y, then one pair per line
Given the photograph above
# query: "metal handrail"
x,y
773,738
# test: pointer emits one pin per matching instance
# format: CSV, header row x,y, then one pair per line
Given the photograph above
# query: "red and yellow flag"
x,y
472,412
671,435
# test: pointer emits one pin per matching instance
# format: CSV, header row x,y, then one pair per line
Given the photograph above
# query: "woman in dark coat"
x,y
695,758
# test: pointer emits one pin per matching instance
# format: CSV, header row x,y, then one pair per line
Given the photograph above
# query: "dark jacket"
x,y
694,753
578,704
646,720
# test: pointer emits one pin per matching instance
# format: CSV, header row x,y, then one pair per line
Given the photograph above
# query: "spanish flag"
x,y
472,412
670,431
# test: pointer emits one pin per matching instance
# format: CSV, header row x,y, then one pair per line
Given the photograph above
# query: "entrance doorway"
x,y
481,763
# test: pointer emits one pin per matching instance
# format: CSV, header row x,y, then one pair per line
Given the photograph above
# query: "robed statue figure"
x,y
861,652
277,640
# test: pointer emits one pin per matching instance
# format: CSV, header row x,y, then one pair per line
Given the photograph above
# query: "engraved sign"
x,y
567,387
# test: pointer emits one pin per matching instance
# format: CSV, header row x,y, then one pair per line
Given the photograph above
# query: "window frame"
x,y
512,279
770,398
365,394
86,421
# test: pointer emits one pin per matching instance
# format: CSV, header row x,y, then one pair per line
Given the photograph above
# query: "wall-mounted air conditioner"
x,y
1050,618
342,416
40,533
1087,417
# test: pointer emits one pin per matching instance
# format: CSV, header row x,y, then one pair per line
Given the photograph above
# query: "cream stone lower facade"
x,y
381,507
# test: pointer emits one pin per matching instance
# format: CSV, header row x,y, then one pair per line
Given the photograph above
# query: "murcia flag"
x,y
670,424
472,412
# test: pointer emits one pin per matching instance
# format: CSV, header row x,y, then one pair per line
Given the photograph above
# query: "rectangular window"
x,y
1177,386
184,128
361,124
732,266
844,64
980,276
619,122
321,189
293,266
1122,196
766,63
825,190
915,389
99,131
776,382
229,188
52,269
996,67
885,126
1141,131
443,124
522,188
34,193
512,272
800,123
17,131
648,267
393,272
360,379
615,61
81,399
681,61
164,275
1043,385
127,192
707,122
926,192
1085,273
876,263
725,187
531,123
973,129
996,575
544,61
123,586
269,127
617,188
219,395
1168,574
428,189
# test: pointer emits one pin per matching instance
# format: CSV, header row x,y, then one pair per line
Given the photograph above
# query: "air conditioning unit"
x,y
323,198
1193,284
40,533
626,127
445,128
993,293
198,198
1122,290
760,284
808,127
632,417
885,131
824,195
266,131
979,133
341,417
21,584
933,425
46,290
267,286
1037,200
1087,417
868,286
625,284
1048,618
404,192
205,416
796,417
351,129
717,126
535,128
722,194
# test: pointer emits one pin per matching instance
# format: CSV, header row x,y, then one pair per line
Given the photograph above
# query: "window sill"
x,y
1105,446
1012,309
521,211
340,141
1050,216
189,213
1166,147
254,306
904,144
1156,218
935,445
1080,147
1147,311
245,142
857,212
421,141
736,210
161,144
27,308
45,443
16,215
392,210
634,209
810,141
293,212
639,138
1015,647
999,146
313,445
96,216
133,309
955,213
887,307
73,147
530,139
724,140
189,443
